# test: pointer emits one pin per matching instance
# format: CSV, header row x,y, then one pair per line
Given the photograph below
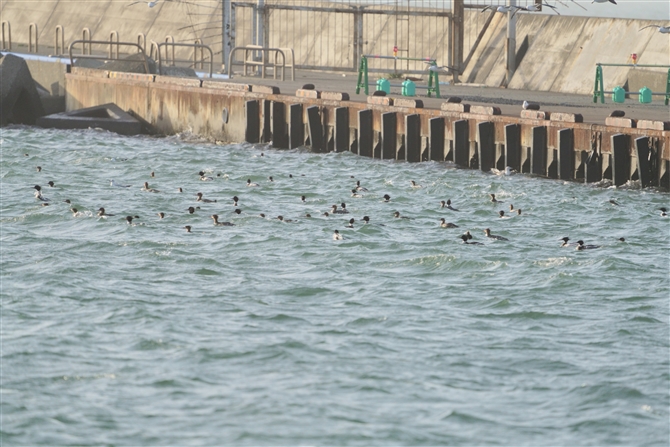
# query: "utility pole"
x,y
225,33
511,41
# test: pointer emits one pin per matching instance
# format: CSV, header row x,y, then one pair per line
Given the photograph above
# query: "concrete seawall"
x,y
559,52
555,146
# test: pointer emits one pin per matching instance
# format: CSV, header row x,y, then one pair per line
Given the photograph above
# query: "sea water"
x,y
273,333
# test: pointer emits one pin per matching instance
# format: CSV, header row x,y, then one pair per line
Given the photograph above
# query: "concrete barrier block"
x,y
485,110
414,103
185,82
267,89
132,76
19,100
380,100
620,122
335,96
535,115
90,72
226,86
302,93
455,107
653,125
567,117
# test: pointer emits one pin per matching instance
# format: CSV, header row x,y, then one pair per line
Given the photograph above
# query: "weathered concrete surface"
x,y
654,80
19,101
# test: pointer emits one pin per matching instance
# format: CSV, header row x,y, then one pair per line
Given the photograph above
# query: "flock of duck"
x,y
357,191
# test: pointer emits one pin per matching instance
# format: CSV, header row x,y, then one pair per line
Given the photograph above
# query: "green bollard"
x,y
384,85
408,88
645,95
618,95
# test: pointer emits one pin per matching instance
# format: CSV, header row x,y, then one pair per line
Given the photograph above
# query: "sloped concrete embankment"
x,y
19,101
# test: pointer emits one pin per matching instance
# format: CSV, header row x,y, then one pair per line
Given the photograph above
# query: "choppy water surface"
x,y
272,333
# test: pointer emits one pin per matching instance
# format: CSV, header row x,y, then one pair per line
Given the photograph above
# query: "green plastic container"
x,y
384,85
618,94
408,88
645,95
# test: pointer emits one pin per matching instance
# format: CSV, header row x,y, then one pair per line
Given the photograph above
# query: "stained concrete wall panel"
x,y
487,53
657,48
546,58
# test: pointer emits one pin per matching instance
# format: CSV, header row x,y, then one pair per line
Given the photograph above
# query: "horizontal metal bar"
x,y
423,59
351,10
633,65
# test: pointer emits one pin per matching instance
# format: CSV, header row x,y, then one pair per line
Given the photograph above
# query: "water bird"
x,y
398,216
191,209
537,8
503,9
129,219
147,189
387,198
117,185
355,194
51,184
445,224
38,168
180,190
501,214
415,184
220,224
466,240
493,199
102,213
447,205
582,246
530,106
38,194
200,199
351,223
188,228
621,239
204,177
325,214
250,184
270,179
511,208
261,215
281,219
344,208
308,215
235,200
76,213
359,187
337,236
507,171
161,215
493,236
237,211
661,29
67,201
303,199
614,202
566,243
664,212
152,174
602,1
518,212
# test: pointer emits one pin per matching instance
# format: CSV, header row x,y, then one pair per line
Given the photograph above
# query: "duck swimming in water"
x,y
221,224
359,187
387,198
493,199
582,246
251,184
147,189
445,224
200,199
102,213
466,240
38,194
493,236
204,177
337,236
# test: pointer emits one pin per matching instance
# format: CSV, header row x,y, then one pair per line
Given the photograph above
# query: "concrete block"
x,y
108,116
335,96
302,93
653,125
90,72
567,117
19,101
226,86
380,100
131,76
485,110
620,122
535,115
184,82
267,89
414,103
454,107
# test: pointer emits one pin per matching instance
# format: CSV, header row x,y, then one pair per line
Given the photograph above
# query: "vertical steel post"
x,y
225,32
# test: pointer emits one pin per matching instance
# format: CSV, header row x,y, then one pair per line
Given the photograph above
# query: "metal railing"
x,y
599,89
264,62
60,31
32,29
105,58
112,43
195,47
86,37
6,25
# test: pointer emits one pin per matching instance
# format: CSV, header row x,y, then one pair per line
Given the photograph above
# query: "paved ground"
x,y
509,101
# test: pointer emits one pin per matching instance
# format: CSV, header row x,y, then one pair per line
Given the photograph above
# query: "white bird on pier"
x,y
503,9
661,29
536,8
150,4
603,1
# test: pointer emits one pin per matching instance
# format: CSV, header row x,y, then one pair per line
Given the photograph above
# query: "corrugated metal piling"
x,y
554,145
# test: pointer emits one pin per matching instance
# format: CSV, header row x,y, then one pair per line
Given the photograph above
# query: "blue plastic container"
x,y
618,94
384,85
645,95
408,88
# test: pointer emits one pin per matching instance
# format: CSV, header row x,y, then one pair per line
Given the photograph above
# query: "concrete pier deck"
x,y
508,100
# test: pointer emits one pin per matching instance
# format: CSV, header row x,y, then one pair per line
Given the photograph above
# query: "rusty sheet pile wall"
x,y
550,145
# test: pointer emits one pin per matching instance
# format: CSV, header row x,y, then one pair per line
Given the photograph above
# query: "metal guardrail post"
x,y
169,39
84,42
195,55
6,25
113,35
195,47
598,90
85,36
154,46
32,28
362,76
142,41
59,30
